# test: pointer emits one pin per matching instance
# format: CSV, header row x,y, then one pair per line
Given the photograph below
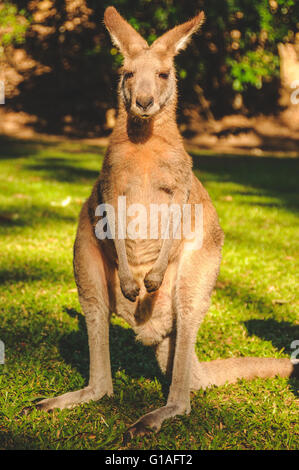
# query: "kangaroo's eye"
x,y
164,75
128,75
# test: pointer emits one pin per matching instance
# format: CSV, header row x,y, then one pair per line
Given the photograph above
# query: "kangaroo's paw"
x,y
67,400
153,281
152,422
144,425
130,289
138,429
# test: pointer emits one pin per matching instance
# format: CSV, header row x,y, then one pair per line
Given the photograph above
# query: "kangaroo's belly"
x,y
151,316
143,213
142,252
147,222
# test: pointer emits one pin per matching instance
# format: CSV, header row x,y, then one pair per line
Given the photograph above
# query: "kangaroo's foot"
x,y
153,280
152,422
68,400
129,288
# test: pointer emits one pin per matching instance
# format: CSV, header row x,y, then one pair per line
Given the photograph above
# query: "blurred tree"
x,y
13,25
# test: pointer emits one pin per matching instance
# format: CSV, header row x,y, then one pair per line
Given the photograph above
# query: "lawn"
x,y
254,309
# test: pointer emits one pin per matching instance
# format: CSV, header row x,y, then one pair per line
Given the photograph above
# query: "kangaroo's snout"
x,y
144,102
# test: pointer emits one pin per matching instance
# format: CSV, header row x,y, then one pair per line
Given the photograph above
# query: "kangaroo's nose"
x,y
145,102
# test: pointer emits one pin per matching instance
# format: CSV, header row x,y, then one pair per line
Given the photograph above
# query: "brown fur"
x,y
162,288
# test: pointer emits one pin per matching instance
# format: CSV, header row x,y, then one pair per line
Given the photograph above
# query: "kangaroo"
x,y
161,286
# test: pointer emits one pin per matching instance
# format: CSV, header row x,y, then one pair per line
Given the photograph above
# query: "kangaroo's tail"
x,y
220,371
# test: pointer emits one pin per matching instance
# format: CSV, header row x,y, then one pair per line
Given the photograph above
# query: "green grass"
x,y
254,309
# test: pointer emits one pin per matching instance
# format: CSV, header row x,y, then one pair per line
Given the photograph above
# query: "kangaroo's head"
x,y
148,81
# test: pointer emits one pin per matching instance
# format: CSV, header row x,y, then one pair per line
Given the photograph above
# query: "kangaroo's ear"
x,y
177,38
123,35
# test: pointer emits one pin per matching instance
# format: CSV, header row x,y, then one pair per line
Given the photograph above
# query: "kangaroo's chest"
x,y
147,181
140,185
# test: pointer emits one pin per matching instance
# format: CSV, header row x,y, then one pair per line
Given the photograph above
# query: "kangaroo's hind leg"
x,y
197,273
89,267
200,375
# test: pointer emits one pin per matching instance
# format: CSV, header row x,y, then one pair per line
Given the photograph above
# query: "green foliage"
x,y
13,24
237,47
260,27
236,50
252,68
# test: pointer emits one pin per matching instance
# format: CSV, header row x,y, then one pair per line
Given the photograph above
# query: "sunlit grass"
x,y
254,309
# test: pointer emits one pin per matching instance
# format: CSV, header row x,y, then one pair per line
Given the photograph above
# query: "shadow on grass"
x,y
64,162
12,148
59,168
18,216
270,176
277,175
126,354
281,335
63,170
37,271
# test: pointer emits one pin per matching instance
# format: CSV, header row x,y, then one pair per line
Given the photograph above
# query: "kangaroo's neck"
x,y
141,131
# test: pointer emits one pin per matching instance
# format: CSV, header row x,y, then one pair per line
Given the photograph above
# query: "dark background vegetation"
x,y
232,66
